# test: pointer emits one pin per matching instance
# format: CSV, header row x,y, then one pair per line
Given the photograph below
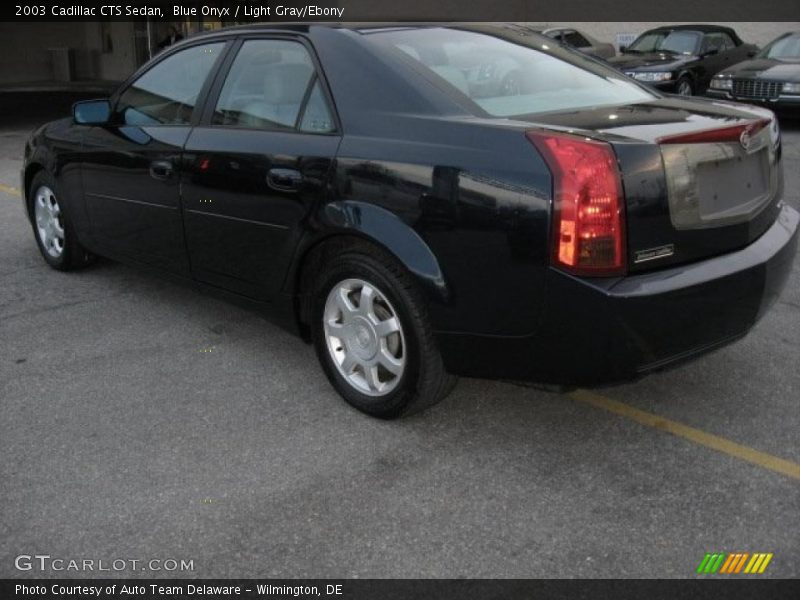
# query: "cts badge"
x,y
653,253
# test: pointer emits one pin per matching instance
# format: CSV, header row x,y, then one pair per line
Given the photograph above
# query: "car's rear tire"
x,y
684,86
52,228
370,328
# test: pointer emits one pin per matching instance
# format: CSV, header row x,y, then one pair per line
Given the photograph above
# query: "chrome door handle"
x,y
161,169
284,180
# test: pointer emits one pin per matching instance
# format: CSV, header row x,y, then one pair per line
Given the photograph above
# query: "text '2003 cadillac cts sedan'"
x,y
426,201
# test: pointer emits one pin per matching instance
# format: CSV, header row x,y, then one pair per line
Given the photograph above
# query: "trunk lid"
x,y
700,178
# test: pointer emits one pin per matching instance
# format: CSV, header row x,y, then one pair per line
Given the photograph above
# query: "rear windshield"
x,y
506,79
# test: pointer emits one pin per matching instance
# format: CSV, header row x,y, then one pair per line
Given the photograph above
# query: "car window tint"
x,y
573,38
680,42
714,41
504,78
647,42
167,93
727,42
786,48
265,86
317,117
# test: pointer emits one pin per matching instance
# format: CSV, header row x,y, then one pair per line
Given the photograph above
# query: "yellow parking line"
x,y
715,442
9,189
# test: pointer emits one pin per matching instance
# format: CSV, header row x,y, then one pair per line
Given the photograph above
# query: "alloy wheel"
x,y
364,337
684,88
49,222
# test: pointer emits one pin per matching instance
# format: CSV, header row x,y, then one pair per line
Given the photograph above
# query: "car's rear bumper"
x,y
596,331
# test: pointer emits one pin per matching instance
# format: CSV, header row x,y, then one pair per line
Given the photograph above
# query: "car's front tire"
x,y
684,86
372,336
52,227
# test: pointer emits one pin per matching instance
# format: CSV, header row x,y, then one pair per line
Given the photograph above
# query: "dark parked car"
x,y
771,79
573,38
682,59
383,191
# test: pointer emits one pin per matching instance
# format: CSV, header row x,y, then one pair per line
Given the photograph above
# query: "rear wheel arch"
x,y
385,233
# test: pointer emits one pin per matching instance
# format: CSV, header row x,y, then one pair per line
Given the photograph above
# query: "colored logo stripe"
x,y
758,563
733,562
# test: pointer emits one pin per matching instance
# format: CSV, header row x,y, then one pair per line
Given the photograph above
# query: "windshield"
x,y
675,42
505,79
785,48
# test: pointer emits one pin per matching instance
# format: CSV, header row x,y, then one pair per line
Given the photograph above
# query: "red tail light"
x,y
733,133
588,204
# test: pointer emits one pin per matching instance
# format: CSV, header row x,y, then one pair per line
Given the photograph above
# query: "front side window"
x,y
717,41
269,84
727,42
505,78
167,93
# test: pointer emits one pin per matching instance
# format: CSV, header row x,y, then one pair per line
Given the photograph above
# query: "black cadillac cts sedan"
x,y
426,201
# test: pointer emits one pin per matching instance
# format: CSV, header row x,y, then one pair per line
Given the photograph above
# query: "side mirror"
x,y
751,53
622,48
711,52
91,112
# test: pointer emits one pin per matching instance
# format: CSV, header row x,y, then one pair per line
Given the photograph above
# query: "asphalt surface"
x,y
140,419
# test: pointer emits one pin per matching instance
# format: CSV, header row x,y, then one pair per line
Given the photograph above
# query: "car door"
x,y
130,167
257,164
712,59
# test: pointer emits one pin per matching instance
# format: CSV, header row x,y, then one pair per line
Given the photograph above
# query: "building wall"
x,y
25,55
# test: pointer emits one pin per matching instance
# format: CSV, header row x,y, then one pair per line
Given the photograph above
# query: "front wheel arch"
x,y
31,171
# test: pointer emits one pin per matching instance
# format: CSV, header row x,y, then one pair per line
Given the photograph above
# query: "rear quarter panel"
x,y
474,190
478,197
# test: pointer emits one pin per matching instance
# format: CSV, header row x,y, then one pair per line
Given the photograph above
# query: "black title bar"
x,y
396,589
247,11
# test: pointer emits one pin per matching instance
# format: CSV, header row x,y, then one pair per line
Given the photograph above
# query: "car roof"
x,y
356,26
702,27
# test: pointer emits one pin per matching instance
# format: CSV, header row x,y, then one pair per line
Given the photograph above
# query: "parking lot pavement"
x,y
142,420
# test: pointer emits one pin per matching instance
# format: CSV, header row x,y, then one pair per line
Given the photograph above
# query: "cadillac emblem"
x,y
745,140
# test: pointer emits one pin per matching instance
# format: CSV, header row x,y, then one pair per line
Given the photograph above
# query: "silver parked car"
x,y
570,37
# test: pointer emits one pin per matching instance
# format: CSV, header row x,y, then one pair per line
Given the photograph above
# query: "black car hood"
x,y
766,68
662,61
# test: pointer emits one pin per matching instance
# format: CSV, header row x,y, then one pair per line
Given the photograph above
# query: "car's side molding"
x,y
387,230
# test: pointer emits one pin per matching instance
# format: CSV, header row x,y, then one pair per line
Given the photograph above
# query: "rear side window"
x,y
716,41
269,83
167,93
504,78
317,117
